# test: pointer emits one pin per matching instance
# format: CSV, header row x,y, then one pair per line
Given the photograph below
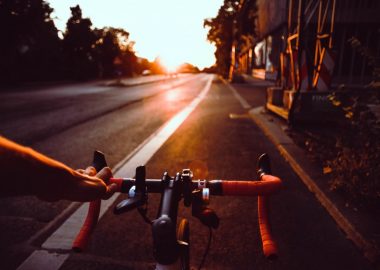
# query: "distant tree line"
x,y
32,48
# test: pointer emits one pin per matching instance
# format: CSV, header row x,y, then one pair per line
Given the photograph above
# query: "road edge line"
x,y
69,210
242,101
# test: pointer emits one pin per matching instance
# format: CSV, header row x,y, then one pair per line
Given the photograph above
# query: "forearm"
x,y
25,171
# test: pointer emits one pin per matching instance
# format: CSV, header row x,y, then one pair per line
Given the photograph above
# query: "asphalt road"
x,y
69,122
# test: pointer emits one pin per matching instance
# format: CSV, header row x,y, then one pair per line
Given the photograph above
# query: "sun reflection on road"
x,y
172,95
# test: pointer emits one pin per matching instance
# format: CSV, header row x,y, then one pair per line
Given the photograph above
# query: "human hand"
x,y
82,185
90,189
27,172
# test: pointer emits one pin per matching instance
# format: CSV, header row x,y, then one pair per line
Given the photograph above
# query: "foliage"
x,y
30,47
113,52
234,23
221,34
372,60
32,51
156,67
187,68
211,69
356,167
79,43
248,28
143,66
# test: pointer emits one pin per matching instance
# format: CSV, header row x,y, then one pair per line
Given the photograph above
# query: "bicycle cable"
x,y
207,249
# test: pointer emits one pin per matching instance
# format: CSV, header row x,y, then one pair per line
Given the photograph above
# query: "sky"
x,y
169,29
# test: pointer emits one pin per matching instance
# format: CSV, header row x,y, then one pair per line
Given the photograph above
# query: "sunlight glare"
x,y
172,96
171,29
170,63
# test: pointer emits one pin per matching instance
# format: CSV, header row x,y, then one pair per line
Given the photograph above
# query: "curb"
x,y
289,151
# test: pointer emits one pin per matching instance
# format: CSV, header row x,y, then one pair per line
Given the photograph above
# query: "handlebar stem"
x,y
165,245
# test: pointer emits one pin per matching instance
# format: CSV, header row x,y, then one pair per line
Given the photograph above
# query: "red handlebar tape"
x,y
117,181
88,226
91,220
268,185
269,246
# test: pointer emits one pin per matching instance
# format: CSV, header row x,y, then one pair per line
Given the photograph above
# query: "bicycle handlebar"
x,y
268,185
88,226
269,245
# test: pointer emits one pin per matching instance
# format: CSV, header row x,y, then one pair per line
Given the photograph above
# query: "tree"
x,y
130,62
157,67
187,68
30,47
79,46
221,34
108,50
234,24
143,65
128,57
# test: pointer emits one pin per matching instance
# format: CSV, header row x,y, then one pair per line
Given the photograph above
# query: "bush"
x,y
356,165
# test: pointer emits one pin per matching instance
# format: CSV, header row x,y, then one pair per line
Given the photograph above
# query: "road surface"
x,y
217,140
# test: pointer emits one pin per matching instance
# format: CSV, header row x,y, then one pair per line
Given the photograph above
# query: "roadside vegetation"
x,y
222,31
33,49
356,164
349,152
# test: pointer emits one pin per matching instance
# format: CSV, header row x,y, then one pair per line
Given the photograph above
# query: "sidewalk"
x,y
360,228
129,82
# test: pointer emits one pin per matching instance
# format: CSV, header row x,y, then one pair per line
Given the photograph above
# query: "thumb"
x,y
105,174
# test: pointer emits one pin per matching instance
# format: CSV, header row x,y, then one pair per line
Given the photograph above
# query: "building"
x,y
307,46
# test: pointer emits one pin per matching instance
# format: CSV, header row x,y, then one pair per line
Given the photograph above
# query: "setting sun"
x,y
169,29
170,63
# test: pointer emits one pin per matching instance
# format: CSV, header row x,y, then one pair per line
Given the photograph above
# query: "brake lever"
x,y
99,161
263,165
139,197
129,204
206,215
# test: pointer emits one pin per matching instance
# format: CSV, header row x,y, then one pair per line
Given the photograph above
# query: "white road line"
x,y
43,259
63,237
242,101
